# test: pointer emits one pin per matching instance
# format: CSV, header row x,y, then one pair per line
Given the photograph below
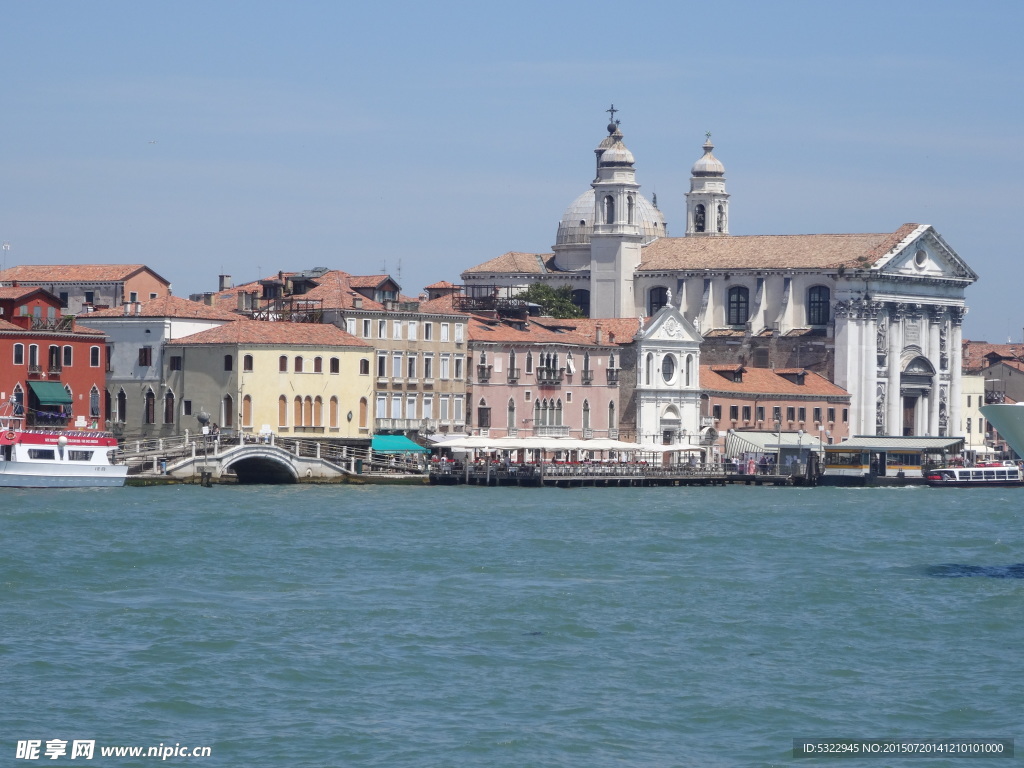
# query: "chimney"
x,y
224,281
208,299
127,307
611,337
598,333
357,301
138,308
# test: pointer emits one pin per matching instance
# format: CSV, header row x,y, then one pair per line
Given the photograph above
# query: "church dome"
x,y
708,165
577,224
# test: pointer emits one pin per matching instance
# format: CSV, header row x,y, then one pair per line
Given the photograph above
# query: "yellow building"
x,y
261,377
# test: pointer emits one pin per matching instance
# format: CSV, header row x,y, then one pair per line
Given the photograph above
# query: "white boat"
x,y
1009,422
56,458
975,477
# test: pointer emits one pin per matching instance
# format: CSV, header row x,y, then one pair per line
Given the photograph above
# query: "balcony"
x,y
549,377
54,372
513,375
587,376
483,373
561,430
35,372
613,375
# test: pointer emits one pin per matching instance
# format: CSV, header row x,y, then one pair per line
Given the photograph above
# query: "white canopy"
x,y
536,443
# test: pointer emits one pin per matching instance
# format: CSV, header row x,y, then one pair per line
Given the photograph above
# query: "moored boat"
x,y
54,458
975,477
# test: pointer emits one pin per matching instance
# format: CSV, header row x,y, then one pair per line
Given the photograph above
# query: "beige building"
x,y
419,362
271,377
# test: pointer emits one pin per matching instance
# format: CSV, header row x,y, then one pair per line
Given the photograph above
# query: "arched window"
x,y
529,362
282,364
612,424
247,364
364,412
19,400
657,298
511,413
318,365
282,411
609,210
247,411
94,404
538,414
818,297
54,358
630,209
298,365
318,411
307,411
739,305
698,218
558,413
364,366
67,357
332,413
168,407
149,415
19,354
336,366
586,414
228,420
229,362
611,361
689,370
512,362
649,369
297,412
122,406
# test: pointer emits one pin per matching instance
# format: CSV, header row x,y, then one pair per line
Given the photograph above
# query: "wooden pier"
x,y
596,476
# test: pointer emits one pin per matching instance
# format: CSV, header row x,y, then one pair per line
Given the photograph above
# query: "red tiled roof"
x,y
71,273
13,294
484,329
767,381
975,353
274,334
167,306
771,251
442,305
623,329
440,285
519,263
368,281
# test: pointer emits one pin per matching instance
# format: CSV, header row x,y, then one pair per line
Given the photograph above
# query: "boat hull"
x,y
18,474
1009,422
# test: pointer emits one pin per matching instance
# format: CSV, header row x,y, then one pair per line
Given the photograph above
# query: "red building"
x,y
52,370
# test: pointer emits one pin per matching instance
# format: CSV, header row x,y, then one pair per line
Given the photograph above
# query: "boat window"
x,y
41,453
79,455
1000,474
990,474
977,475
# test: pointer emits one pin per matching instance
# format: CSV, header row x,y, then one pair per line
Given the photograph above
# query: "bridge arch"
x,y
264,465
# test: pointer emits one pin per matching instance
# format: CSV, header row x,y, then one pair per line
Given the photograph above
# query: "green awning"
x,y
396,444
50,393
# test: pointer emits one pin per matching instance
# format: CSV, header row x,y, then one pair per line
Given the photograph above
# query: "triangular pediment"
x,y
924,254
669,325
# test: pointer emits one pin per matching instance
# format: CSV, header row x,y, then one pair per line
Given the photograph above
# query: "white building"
x,y
878,314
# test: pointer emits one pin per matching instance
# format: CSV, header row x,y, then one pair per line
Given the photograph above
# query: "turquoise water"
x,y
386,626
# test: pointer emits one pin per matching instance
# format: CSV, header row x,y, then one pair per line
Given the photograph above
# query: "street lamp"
x,y
778,446
799,447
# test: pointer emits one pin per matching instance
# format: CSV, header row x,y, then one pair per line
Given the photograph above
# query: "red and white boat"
x,y
57,458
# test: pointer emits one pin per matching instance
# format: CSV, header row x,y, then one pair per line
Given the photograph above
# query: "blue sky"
x,y
247,137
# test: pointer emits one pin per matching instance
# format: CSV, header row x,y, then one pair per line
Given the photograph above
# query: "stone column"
x,y
956,318
936,317
893,422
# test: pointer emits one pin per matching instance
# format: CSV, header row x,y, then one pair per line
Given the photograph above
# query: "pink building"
x,y
529,380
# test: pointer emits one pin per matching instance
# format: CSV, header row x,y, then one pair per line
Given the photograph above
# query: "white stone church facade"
x,y
878,314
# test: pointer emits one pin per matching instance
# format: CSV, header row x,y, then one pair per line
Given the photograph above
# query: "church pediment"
x,y
669,325
926,255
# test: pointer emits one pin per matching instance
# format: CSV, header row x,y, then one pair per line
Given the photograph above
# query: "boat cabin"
x,y
862,459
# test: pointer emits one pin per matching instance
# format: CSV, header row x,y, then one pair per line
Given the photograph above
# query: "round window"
x,y
920,258
668,367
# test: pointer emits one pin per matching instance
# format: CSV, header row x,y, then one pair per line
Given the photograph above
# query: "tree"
x,y
554,302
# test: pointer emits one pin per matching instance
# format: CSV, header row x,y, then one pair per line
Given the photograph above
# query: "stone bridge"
x,y
261,463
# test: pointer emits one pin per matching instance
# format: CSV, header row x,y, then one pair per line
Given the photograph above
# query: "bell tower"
x,y
707,203
617,237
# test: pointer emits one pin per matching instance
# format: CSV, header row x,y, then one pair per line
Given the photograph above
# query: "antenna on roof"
x,y
399,275
6,247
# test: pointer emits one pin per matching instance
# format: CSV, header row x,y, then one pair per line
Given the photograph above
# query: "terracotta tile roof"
x,y
727,368
723,333
440,285
68,273
252,332
168,306
5,326
975,353
336,290
519,263
88,331
13,294
623,329
485,329
367,281
769,382
442,305
770,251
